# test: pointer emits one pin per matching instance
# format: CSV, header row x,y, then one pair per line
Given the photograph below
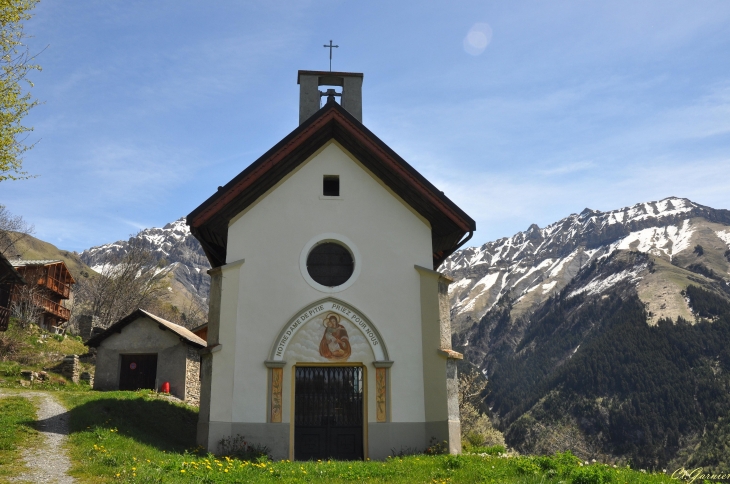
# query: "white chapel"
x,y
329,330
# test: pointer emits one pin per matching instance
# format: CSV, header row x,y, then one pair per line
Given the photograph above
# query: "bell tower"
x,y
310,95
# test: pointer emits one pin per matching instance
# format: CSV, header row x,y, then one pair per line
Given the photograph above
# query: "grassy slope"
x,y
32,248
16,431
34,349
135,437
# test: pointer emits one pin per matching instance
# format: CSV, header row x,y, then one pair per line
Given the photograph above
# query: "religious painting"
x,y
335,344
328,336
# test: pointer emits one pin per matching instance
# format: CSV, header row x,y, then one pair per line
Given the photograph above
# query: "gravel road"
x,y
49,462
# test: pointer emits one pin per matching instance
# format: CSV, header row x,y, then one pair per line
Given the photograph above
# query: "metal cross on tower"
x,y
330,48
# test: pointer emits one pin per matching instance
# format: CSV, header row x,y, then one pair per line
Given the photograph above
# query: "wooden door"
x,y
328,413
138,371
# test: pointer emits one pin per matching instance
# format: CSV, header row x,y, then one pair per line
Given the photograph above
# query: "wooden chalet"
x,y
53,281
9,278
201,331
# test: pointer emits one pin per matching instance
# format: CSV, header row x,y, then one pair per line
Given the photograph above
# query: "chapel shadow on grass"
x,y
157,423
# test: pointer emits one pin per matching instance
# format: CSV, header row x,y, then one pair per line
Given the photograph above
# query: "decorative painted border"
x,y
277,384
381,394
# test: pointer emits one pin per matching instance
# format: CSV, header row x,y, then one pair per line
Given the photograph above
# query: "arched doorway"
x,y
329,412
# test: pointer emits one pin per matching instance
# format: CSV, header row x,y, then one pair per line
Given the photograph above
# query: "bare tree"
x,y
13,229
476,427
127,281
27,304
192,313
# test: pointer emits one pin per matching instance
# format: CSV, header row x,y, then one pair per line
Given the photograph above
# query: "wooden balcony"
x,y
52,307
56,286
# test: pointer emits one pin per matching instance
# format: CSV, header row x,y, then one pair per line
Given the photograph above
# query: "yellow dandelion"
x,y
182,470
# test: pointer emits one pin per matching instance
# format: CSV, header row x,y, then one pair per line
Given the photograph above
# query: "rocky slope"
x,y
533,265
177,253
605,333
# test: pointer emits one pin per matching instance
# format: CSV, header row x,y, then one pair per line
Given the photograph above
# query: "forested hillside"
x,y
587,372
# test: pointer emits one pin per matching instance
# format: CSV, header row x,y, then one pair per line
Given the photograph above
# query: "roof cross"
x,y
330,48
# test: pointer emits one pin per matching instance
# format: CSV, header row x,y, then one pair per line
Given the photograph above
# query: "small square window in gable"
x,y
331,186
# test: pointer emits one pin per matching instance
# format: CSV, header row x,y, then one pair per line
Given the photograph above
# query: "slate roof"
x,y
37,262
117,327
449,224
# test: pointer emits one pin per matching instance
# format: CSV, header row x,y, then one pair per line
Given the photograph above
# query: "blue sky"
x,y
521,112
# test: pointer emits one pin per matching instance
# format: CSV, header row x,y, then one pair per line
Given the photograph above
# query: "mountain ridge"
x,y
548,258
176,252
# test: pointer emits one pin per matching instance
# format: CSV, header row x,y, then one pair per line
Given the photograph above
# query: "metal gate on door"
x,y
328,412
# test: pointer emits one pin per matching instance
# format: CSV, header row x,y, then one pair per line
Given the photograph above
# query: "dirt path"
x,y
48,463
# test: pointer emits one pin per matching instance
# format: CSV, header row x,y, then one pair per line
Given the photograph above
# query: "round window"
x,y
330,264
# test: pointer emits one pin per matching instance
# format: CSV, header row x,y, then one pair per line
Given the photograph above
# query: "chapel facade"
x,y
329,330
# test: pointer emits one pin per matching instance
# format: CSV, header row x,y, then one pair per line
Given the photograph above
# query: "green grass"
x,y
17,415
136,437
31,348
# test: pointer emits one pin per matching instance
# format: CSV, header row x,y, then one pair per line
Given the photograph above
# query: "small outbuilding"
x,y
145,351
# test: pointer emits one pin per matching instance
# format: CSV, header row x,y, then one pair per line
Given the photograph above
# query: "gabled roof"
x,y
449,224
36,262
117,327
40,263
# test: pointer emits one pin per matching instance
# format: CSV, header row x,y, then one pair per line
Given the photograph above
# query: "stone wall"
x,y
87,325
192,376
70,368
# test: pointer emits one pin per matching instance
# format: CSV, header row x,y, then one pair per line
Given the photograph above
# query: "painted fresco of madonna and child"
x,y
335,344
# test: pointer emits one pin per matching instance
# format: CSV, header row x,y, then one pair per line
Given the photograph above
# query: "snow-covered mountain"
x,y
594,326
175,250
535,264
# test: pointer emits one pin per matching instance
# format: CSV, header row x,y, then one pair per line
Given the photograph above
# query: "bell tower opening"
x,y
311,98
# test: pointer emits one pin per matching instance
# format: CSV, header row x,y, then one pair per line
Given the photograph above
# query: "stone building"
x,y
145,351
329,328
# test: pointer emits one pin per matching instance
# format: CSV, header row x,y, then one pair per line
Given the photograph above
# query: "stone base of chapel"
x,y
382,438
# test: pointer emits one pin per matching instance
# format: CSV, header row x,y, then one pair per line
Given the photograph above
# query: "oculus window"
x,y
330,264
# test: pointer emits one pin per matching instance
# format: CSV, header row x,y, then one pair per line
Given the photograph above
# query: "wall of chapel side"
x,y
206,358
439,365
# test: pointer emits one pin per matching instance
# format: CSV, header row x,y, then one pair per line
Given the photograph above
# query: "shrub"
x,y
454,462
436,448
699,250
595,474
474,439
239,448
11,369
526,465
